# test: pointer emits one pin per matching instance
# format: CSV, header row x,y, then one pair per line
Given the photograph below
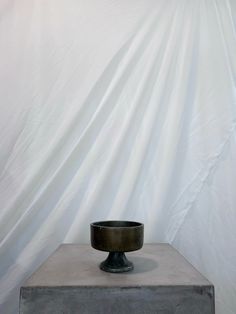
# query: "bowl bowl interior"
x,y
117,223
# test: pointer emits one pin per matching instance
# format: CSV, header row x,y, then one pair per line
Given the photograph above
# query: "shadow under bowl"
x,y
116,237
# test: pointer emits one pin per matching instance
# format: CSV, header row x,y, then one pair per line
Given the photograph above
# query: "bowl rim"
x,y
98,224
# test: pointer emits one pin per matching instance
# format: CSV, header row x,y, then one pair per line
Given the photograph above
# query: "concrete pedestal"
x,y
162,281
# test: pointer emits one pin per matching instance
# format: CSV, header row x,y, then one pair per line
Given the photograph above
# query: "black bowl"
x,y
116,237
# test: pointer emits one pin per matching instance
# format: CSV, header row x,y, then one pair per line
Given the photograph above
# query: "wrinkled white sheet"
x,y
118,109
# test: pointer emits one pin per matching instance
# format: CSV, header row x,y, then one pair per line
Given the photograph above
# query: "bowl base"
x,y
116,262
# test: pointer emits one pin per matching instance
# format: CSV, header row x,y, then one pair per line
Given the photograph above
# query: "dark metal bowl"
x,y
116,237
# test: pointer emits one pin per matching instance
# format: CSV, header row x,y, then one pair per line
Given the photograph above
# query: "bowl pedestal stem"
x,y
116,262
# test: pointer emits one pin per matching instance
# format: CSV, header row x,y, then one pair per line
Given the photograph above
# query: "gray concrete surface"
x,y
162,281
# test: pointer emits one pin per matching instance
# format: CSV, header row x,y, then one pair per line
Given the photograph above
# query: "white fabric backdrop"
x,y
116,109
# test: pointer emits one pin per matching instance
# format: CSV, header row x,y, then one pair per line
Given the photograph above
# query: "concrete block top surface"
x,y
78,265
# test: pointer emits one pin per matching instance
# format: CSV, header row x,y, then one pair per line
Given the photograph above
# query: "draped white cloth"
x,y
116,109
